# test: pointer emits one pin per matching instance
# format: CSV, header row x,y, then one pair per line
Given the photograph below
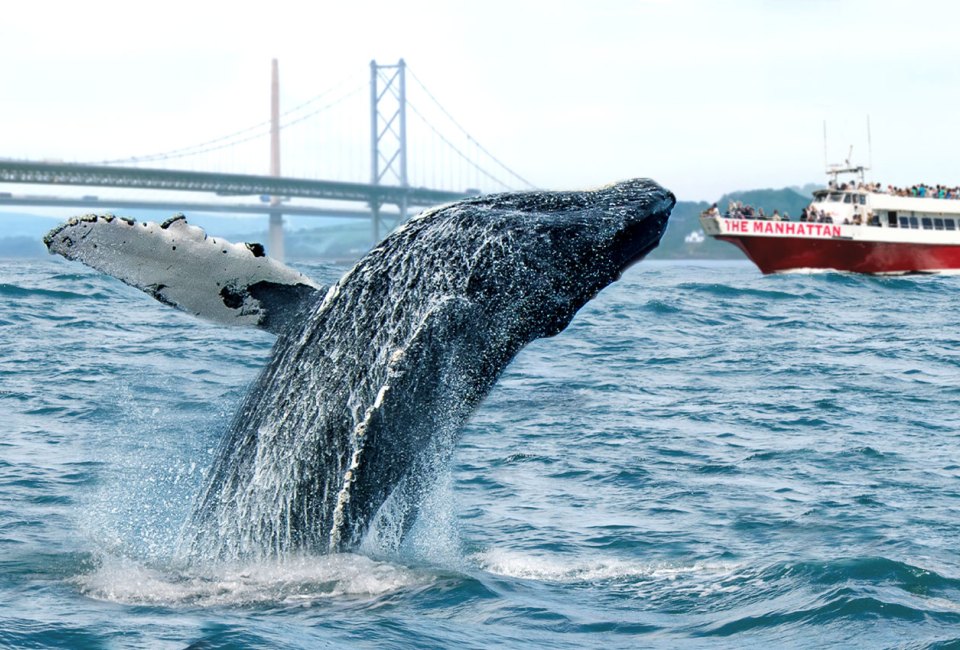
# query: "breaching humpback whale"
x,y
371,380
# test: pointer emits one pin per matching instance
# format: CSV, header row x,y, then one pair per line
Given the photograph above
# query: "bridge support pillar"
x,y
375,220
276,218
275,247
388,133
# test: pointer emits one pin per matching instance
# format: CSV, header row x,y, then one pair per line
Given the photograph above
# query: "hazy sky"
x,y
705,97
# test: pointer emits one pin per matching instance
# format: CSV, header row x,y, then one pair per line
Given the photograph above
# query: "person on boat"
x,y
776,215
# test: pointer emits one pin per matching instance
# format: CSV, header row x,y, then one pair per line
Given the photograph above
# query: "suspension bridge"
x,y
418,156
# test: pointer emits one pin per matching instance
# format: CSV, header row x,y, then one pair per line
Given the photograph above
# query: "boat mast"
x,y
826,165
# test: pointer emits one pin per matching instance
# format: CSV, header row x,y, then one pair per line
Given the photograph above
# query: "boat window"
x,y
836,197
847,198
913,223
927,223
863,199
950,224
938,224
892,218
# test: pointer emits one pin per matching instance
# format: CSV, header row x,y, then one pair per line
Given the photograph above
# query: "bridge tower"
x,y
276,217
388,134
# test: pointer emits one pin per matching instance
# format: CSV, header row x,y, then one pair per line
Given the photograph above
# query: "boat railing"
x,y
918,191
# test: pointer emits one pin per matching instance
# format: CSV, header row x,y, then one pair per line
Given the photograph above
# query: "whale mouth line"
x,y
644,240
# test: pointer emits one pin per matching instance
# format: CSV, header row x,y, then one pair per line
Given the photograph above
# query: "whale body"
x,y
371,381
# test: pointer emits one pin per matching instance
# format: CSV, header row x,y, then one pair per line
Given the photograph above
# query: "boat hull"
x,y
784,254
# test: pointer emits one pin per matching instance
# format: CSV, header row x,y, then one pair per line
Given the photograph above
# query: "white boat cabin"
x,y
873,208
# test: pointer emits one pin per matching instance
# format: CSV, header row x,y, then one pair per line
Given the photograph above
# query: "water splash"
x,y
293,581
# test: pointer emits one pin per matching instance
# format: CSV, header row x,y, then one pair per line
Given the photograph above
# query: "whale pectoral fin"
x,y
179,265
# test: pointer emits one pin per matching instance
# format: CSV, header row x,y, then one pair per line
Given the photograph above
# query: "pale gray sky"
x,y
705,97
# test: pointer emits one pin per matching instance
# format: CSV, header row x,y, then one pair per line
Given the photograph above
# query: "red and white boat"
x,y
859,228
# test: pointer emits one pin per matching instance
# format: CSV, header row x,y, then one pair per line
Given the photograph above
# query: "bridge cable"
x,y
196,149
454,147
465,132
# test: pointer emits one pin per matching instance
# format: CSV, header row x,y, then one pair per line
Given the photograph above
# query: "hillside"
x,y
685,220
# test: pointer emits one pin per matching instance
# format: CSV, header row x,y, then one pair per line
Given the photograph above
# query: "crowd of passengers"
x,y
921,190
740,210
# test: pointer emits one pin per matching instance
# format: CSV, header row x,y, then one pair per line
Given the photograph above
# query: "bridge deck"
x,y
46,173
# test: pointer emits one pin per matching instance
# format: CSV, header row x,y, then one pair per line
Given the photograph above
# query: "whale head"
x,y
540,256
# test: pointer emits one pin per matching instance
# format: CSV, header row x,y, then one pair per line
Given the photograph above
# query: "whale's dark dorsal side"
x,y
364,396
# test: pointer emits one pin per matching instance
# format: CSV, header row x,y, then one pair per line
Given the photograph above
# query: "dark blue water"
x,y
706,457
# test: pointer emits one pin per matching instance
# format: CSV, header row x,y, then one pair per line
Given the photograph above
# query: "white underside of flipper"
x,y
178,264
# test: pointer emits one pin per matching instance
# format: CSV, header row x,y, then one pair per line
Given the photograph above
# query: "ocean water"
x,y
705,458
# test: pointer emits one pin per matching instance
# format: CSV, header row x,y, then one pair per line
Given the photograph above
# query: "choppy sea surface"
x,y
705,458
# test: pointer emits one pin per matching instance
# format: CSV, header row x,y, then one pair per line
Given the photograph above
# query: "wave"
x,y
825,594
813,593
561,568
876,570
17,291
661,307
718,290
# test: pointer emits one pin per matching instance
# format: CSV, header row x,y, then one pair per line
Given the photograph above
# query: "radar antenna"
x,y
847,168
